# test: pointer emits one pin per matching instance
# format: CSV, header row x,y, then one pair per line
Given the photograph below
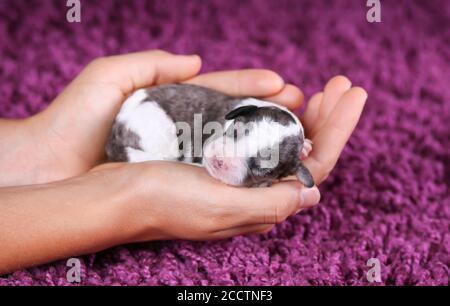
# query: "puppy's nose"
x,y
217,163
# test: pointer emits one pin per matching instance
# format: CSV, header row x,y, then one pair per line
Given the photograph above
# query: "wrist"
x,y
138,208
33,152
111,211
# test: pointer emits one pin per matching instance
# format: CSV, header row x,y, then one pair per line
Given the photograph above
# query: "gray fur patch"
x,y
182,101
120,138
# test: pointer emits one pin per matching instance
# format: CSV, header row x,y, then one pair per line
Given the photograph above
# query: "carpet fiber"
x,y
387,198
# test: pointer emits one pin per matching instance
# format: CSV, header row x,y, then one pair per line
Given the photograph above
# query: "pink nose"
x,y
217,163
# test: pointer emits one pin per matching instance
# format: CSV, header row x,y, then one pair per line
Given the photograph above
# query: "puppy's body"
x,y
147,124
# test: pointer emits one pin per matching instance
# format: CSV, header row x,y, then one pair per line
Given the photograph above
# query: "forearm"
x,y
20,153
42,223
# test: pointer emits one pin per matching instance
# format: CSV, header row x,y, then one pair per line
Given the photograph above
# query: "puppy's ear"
x,y
241,111
304,176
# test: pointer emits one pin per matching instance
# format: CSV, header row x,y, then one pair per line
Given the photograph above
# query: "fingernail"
x,y
309,197
193,56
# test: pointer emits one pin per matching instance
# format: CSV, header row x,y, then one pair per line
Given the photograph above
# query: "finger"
x,y
331,139
249,82
271,205
141,69
244,230
290,96
311,114
333,91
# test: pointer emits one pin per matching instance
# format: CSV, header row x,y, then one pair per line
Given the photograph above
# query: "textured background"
x,y
388,196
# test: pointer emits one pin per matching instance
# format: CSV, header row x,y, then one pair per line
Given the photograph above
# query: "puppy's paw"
x,y
307,147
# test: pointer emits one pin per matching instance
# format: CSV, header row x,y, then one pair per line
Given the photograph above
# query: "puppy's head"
x,y
261,143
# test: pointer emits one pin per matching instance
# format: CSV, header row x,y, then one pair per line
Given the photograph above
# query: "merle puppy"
x,y
242,141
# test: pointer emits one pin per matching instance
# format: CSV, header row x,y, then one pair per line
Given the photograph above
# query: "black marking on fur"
x,y
241,111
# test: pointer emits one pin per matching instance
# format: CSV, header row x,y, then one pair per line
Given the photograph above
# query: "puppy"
x,y
240,141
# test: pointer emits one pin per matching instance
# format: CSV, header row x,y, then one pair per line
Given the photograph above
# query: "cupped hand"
x,y
172,200
70,135
329,120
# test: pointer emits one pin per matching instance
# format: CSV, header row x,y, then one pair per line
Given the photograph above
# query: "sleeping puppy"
x,y
240,141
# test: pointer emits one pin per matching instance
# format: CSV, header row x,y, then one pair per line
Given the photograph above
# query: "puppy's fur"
x,y
145,129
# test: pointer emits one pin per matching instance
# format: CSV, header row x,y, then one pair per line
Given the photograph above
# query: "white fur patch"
x,y
157,132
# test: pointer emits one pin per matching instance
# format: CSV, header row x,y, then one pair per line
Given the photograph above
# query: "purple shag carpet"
x,y
387,198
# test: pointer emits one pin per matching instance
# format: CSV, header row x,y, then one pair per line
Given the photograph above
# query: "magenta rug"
x,y
388,197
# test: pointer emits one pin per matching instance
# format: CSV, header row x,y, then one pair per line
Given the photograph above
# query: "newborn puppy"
x,y
240,141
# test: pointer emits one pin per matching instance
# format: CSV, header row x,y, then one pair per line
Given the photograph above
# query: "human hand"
x,y
68,138
329,120
170,200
